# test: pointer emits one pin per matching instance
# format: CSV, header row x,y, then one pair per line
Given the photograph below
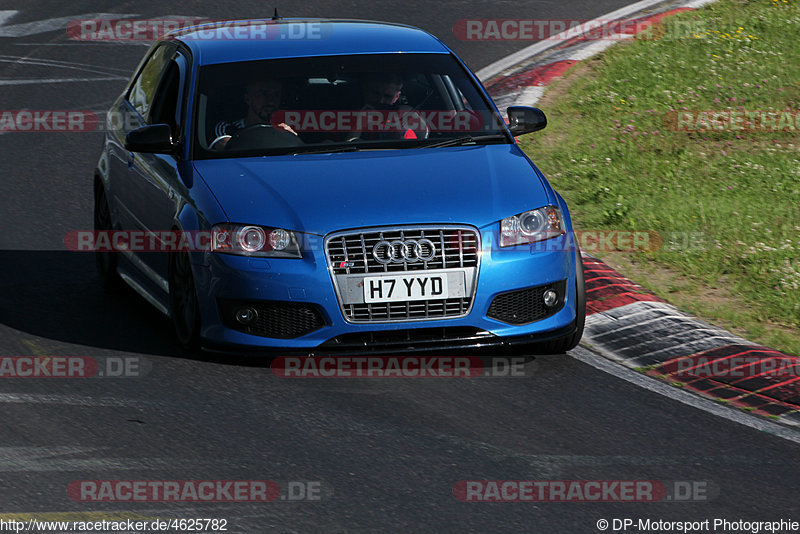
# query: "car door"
x,y
130,113
154,178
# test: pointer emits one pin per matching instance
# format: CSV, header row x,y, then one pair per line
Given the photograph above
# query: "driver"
x,y
263,98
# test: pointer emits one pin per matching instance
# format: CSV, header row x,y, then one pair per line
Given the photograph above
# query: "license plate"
x,y
405,287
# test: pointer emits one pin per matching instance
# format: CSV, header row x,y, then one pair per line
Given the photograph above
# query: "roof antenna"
x,y
276,16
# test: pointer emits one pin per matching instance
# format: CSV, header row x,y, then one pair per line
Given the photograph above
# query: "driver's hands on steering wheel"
x,y
258,136
285,127
221,142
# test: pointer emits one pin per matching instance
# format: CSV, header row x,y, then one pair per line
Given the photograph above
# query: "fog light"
x,y
246,315
550,298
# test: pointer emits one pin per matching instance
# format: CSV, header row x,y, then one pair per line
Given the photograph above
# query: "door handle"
x,y
130,160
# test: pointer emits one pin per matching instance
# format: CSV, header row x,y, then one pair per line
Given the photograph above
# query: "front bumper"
x,y
221,277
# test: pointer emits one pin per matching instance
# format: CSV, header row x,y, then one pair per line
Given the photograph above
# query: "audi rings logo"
x,y
410,251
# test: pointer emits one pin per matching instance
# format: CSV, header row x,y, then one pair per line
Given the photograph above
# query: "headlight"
x,y
251,240
531,226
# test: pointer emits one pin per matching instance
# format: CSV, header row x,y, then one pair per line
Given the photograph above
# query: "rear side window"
x,y
143,90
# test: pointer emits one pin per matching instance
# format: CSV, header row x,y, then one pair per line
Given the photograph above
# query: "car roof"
x,y
248,40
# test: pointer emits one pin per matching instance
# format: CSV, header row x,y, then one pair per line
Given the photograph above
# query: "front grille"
x,y
455,249
403,311
526,305
276,319
351,253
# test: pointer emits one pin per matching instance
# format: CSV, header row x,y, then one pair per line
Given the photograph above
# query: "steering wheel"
x,y
420,128
422,133
213,145
262,136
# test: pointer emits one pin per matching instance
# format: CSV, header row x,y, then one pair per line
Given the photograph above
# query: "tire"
x,y
567,343
106,261
183,307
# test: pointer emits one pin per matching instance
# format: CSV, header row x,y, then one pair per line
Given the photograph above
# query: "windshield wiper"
x,y
331,150
468,139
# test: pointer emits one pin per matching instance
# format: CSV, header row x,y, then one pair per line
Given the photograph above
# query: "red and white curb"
x,y
626,323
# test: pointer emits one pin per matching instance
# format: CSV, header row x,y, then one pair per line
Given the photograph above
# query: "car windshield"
x,y
340,103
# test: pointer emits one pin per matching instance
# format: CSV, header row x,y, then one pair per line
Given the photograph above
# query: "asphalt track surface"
x,y
387,453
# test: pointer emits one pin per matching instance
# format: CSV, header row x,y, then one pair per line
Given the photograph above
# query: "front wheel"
x,y
106,260
184,309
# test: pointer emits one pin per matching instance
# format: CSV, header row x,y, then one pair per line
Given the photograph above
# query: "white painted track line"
x,y
500,65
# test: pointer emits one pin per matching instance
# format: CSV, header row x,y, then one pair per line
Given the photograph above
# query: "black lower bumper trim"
x,y
478,342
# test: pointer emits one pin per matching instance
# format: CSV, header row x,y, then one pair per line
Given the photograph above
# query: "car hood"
x,y
320,193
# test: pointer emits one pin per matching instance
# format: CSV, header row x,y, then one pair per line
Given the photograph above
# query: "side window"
x,y
164,109
144,88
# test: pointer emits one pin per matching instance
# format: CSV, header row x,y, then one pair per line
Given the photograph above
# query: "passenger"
x,y
383,92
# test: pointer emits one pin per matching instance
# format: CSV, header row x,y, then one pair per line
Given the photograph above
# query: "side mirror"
x,y
524,119
152,139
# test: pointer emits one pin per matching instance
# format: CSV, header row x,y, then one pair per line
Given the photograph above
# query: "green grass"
x,y
726,203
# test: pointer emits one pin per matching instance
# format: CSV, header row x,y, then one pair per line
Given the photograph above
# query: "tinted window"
x,y
143,90
164,109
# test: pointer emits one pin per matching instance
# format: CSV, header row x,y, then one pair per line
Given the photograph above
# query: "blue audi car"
x,y
325,186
